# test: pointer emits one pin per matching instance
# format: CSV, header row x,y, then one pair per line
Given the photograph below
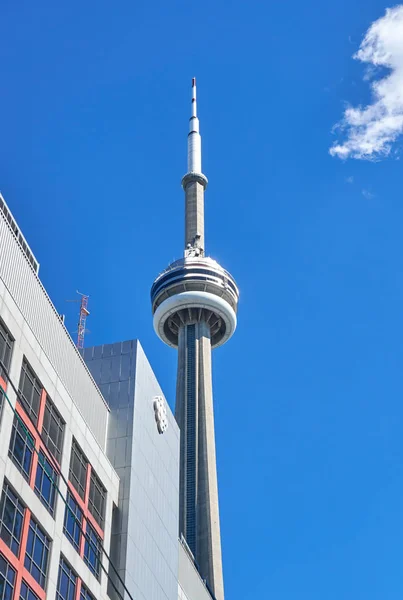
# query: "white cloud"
x,y
367,194
350,179
371,130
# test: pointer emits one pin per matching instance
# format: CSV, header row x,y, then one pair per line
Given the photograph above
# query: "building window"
x,y
66,582
78,469
12,517
53,430
84,593
26,593
92,551
37,553
7,578
21,447
30,389
73,518
96,500
6,346
45,482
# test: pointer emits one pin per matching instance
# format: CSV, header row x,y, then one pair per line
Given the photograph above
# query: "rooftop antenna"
x,y
84,312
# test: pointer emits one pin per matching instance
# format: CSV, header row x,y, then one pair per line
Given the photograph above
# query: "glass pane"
x,y
64,585
27,389
38,551
53,429
36,574
18,526
8,592
46,417
27,460
19,447
35,402
30,542
6,537
46,487
8,514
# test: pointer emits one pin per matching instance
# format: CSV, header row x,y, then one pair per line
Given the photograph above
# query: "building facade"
x,y
89,457
58,486
145,528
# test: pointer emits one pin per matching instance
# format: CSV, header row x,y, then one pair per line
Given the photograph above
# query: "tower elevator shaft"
x,y
198,494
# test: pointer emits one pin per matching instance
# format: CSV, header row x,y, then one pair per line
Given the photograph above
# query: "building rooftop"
x,y
18,234
48,334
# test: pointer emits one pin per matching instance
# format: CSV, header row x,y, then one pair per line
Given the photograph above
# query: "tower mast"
x,y
194,183
84,312
194,303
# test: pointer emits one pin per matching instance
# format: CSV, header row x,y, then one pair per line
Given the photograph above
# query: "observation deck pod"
x,y
191,290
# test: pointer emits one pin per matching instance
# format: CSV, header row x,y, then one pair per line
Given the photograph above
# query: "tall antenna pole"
x,y
82,320
194,183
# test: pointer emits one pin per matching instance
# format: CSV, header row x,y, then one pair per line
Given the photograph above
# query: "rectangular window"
x,y
92,551
96,500
45,482
30,389
53,430
26,593
78,469
6,346
21,447
66,582
12,517
84,594
37,553
7,578
73,518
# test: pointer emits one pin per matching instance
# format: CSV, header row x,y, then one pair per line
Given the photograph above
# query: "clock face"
x,y
160,413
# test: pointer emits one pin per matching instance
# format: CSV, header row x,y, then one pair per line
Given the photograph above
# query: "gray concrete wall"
x,y
145,528
194,214
199,509
190,585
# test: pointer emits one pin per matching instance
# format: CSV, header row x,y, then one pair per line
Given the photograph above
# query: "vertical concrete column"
x,y
208,522
199,510
181,419
194,214
180,416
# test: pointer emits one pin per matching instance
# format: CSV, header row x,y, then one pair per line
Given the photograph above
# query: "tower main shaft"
x,y
199,520
194,303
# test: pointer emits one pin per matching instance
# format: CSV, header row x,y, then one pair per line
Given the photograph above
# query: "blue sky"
x,y
308,393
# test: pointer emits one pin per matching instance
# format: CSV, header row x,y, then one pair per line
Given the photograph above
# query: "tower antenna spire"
x,y
194,184
194,98
194,139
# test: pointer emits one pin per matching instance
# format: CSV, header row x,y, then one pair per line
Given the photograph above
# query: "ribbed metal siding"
x,y
40,314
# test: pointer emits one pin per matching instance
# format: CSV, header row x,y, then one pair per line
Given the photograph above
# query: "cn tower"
x,y
194,303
